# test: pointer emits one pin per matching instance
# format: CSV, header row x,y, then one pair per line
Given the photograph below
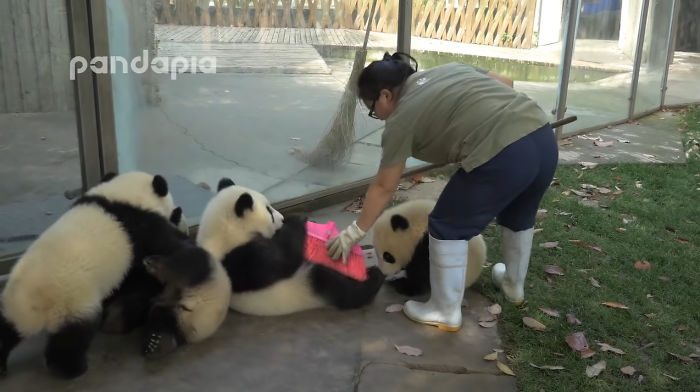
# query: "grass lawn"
x,y
646,212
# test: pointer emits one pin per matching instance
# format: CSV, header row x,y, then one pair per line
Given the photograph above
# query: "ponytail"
x,y
389,73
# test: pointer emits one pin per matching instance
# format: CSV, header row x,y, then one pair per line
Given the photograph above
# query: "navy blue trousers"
x,y
509,187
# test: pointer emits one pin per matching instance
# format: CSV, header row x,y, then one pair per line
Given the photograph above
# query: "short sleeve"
x,y
396,145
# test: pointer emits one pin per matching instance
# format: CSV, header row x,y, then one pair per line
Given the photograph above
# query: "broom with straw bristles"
x,y
336,145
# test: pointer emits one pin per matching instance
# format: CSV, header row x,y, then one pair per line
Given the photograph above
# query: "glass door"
x,y
654,56
41,154
240,89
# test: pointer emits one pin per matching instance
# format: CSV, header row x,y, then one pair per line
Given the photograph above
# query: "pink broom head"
x,y
317,234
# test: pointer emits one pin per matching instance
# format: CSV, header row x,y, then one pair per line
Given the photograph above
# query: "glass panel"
x,y
281,68
518,39
604,53
654,56
39,154
684,73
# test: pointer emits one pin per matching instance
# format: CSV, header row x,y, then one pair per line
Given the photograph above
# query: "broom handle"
x,y
369,24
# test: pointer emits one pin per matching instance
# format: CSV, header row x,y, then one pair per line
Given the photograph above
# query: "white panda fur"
x,y
264,257
59,283
400,242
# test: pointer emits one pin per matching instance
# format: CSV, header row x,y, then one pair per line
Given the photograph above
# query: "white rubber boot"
x,y
448,264
509,276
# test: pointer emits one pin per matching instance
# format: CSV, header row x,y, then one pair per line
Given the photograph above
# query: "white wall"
x,y
548,21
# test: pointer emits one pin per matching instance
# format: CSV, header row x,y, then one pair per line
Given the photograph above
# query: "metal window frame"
x,y
638,58
79,34
672,32
103,89
573,9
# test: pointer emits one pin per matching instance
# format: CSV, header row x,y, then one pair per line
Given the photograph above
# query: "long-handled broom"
x,y
336,145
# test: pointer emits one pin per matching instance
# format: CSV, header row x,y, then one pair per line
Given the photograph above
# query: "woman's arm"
x,y
379,194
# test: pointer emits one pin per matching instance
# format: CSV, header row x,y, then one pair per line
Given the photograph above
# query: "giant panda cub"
x,y
264,257
60,282
400,240
193,303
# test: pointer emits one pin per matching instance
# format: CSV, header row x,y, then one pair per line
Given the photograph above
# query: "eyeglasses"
x,y
371,110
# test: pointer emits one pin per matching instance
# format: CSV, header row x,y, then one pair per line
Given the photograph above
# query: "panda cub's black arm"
x,y
264,261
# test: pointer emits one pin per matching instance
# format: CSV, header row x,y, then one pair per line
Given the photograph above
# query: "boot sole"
x,y
440,326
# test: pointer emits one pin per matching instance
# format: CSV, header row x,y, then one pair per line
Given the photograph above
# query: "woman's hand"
x,y
377,197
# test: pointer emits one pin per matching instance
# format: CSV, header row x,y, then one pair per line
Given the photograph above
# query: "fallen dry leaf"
x,y
577,341
642,265
603,191
603,144
394,308
650,315
593,371
550,312
664,278
587,353
628,370
682,328
583,244
487,317
571,319
550,245
682,240
588,165
553,270
588,186
615,305
495,309
681,358
541,213
491,357
671,377
607,347
638,184
579,193
594,282
621,229
488,324
504,368
547,367
408,350
534,324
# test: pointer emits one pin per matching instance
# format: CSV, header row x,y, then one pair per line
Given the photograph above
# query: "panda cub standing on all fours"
x,y
400,241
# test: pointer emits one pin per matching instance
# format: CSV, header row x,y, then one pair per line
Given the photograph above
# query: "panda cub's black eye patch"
x,y
389,258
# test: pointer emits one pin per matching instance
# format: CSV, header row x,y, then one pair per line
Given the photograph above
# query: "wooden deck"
x,y
282,35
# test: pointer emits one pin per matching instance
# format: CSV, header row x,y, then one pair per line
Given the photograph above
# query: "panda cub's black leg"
x,y
344,292
66,350
9,339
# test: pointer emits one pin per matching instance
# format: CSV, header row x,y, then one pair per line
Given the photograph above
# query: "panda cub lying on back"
x,y
263,254
400,241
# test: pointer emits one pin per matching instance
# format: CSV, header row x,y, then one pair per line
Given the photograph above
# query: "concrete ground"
x,y
318,350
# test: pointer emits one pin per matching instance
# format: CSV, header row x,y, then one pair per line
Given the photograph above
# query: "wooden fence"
x,y
490,22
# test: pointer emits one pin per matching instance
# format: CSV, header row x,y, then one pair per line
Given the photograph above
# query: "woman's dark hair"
x,y
388,73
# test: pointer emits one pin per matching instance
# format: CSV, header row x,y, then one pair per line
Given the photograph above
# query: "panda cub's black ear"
x,y
244,202
160,186
176,216
398,222
224,183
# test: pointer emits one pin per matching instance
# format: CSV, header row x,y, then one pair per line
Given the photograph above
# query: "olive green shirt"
x,y
455,113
